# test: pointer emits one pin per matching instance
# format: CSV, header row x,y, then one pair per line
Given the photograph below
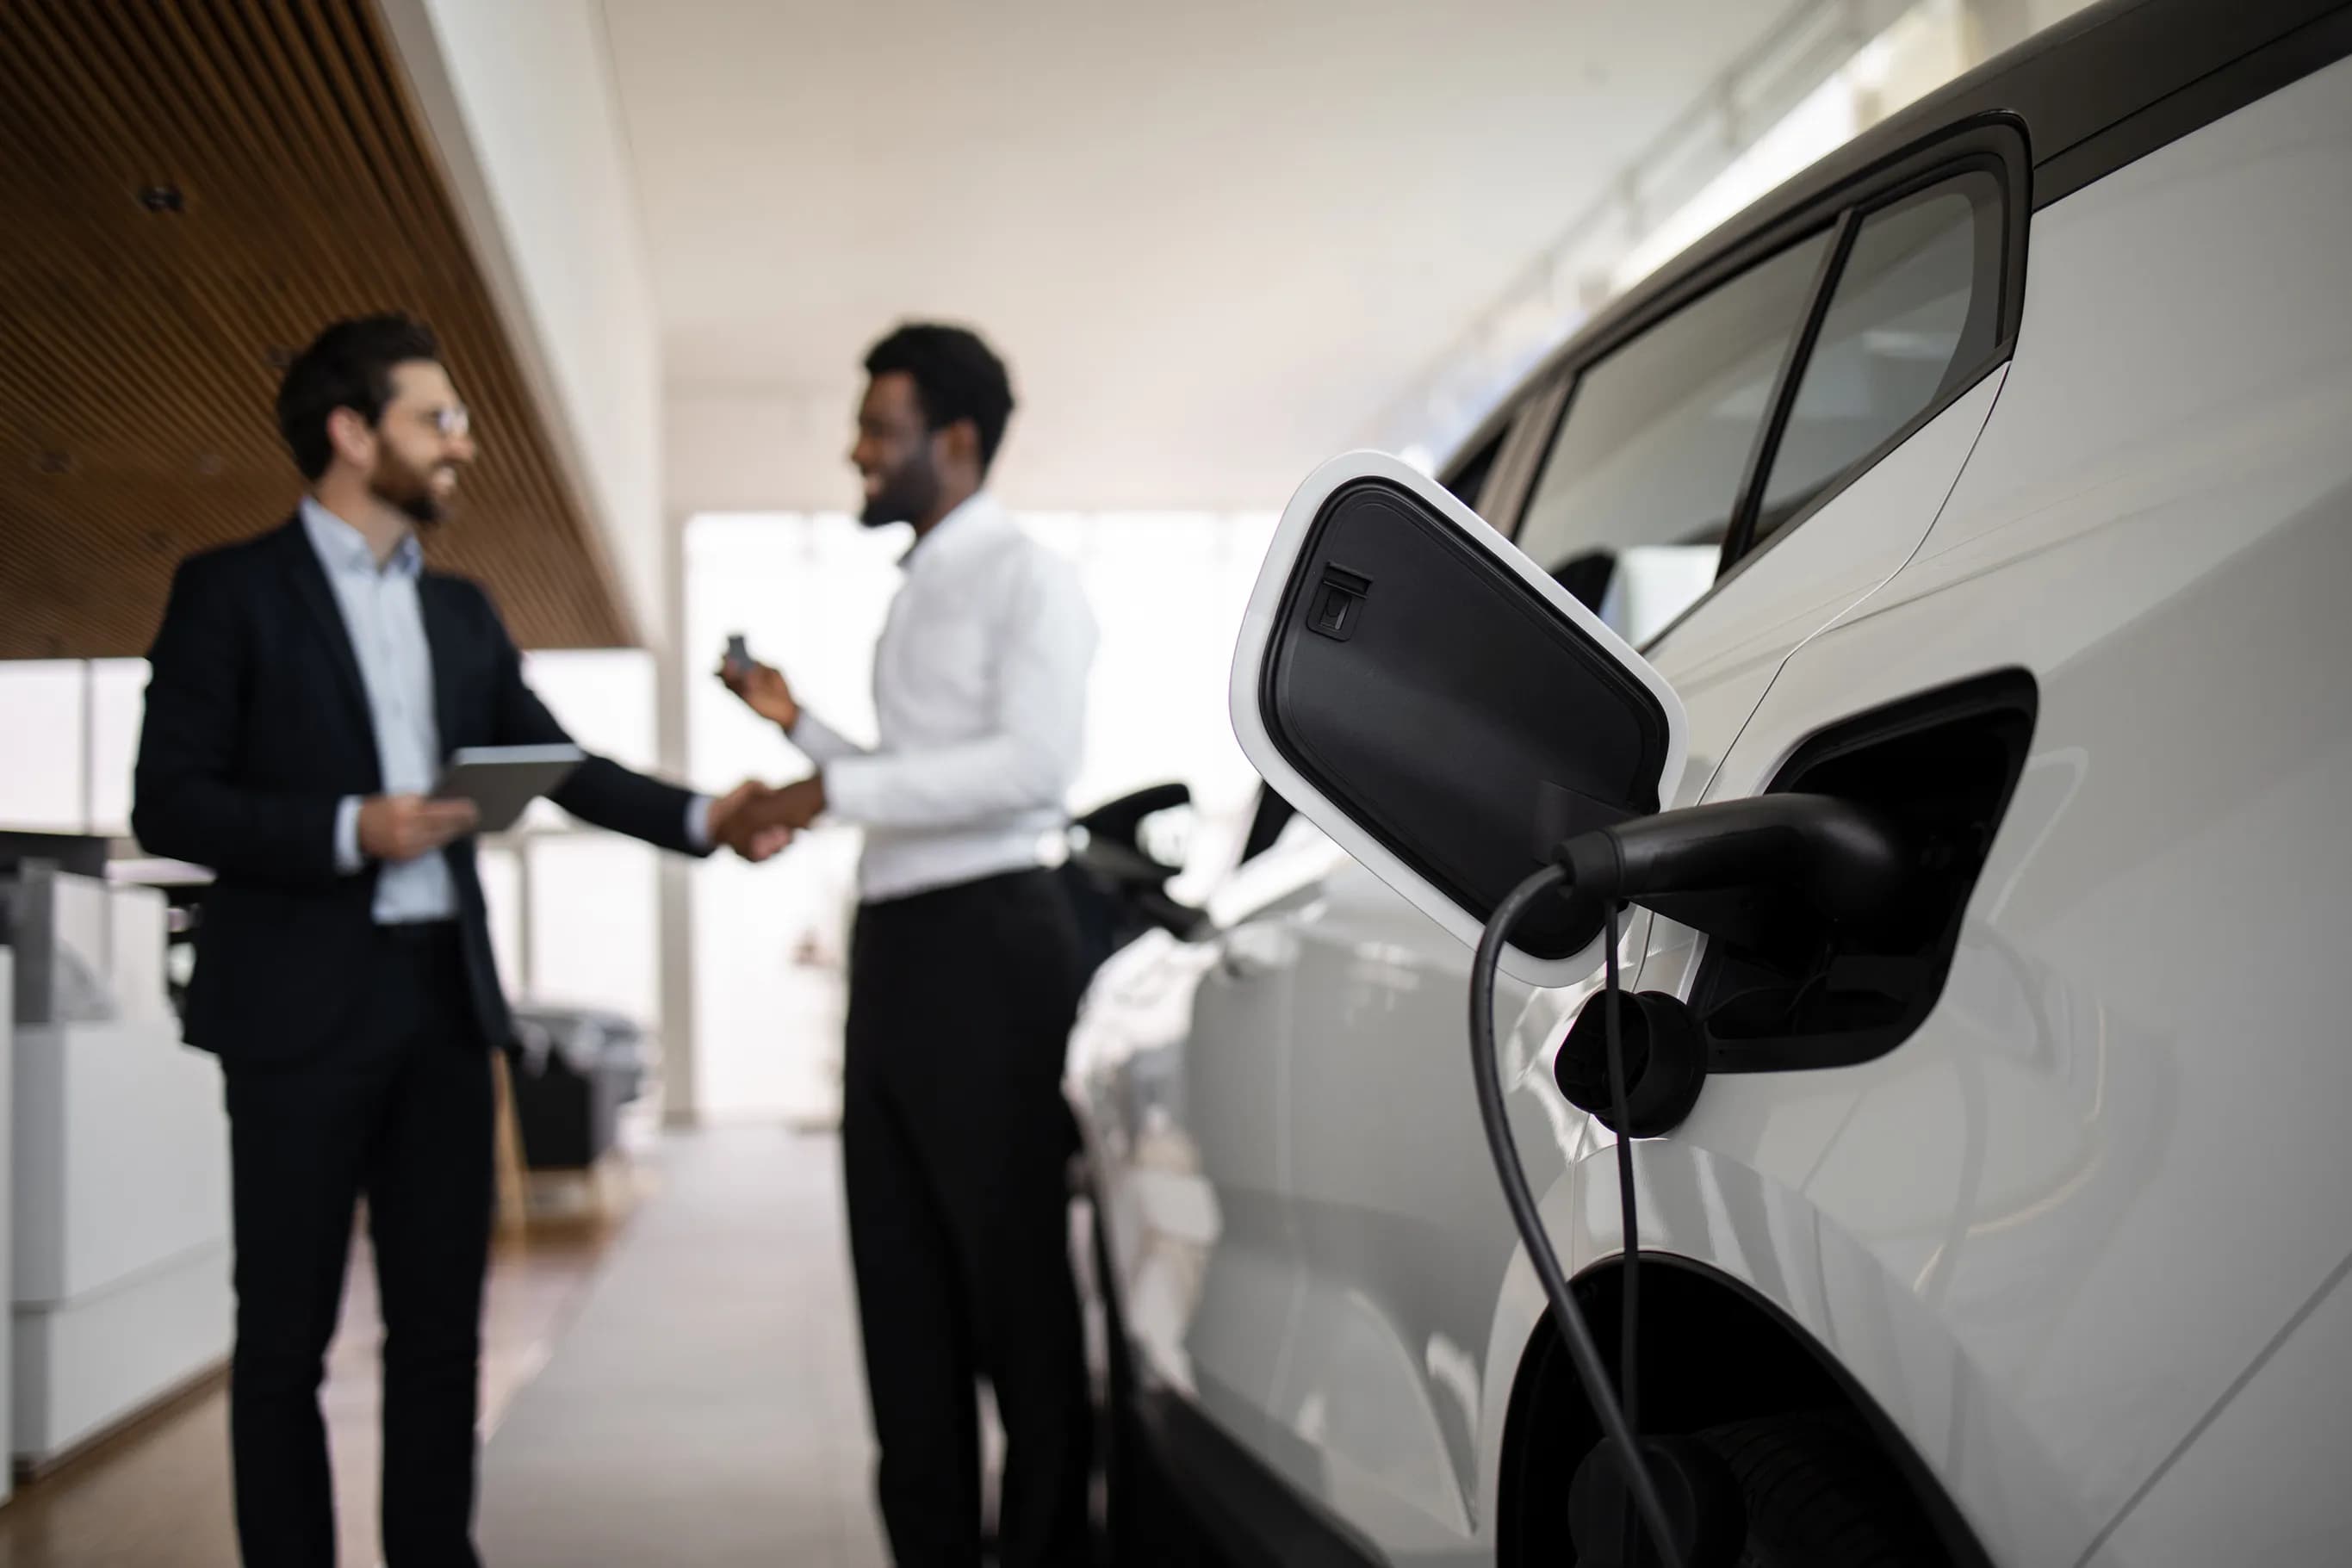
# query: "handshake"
x,y
757,822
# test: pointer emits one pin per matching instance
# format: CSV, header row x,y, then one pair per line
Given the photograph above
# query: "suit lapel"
x,y
317,596
444,635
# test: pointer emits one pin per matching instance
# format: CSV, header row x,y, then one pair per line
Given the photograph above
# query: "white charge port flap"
x,y
1433,700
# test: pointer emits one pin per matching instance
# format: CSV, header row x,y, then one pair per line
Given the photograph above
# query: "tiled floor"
x,y
684,1390
157,1495
706,1406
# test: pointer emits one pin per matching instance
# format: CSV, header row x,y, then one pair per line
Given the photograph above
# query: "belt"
x,y
418,932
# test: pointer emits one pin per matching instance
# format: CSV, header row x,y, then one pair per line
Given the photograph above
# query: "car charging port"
x,y
1858,867
1816,860
1786,986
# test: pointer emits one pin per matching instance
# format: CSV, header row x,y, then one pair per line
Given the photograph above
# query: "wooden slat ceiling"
x,y
189,189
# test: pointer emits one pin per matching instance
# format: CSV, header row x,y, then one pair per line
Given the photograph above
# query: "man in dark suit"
x,y
307,686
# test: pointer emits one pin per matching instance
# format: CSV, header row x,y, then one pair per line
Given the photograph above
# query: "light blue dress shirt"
x,y
387,624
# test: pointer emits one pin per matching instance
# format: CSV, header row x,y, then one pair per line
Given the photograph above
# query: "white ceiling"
x,y
1213,239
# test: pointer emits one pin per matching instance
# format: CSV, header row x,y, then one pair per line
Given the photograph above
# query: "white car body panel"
x,y
2091,1200
2241,1492
1723,657
1400,1232
2084,1238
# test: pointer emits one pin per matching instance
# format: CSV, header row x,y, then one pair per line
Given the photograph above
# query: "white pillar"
x,y
674,666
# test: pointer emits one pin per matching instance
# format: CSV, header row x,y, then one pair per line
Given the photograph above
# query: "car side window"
x,y
1917,305
1638,490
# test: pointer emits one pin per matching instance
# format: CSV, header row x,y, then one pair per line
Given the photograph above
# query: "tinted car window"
x,y
1915,308
1636,495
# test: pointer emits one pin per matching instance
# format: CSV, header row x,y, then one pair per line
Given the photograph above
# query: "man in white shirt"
x,y
964,972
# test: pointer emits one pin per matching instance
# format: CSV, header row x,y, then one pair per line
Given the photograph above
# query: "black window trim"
x,y
1749,500
2081,91
1794,230
1535,415
1570,381
2169,105
1959,379
1991,142
2091,94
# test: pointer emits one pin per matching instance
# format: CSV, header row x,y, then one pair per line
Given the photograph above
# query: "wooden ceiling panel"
x,y
189,189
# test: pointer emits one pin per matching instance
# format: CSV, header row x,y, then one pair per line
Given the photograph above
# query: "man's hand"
x,y
403,827
797,804
731,824
763,691
786,811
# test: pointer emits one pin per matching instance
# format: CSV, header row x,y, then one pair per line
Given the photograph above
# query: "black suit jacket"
x,y
257,727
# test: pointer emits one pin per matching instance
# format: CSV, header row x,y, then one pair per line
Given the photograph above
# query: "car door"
x,y
1175,1068
1801,416
1177,1064
2110,1159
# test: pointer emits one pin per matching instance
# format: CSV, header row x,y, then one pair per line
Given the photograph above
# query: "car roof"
x,y
2092,93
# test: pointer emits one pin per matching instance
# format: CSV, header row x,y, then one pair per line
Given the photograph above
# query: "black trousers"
x,y
403,1113
955,1140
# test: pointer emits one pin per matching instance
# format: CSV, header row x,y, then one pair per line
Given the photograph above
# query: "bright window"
x,y
809,594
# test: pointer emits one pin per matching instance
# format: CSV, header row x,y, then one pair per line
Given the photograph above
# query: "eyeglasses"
x,y
452,422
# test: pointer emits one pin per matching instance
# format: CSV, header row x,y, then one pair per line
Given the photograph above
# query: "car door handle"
x,y
1251,957
1242,966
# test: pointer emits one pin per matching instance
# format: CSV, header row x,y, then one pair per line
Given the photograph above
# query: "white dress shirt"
x,y
386,625
980,692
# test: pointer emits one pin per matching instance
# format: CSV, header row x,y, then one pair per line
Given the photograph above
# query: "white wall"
x,y
758,449
45,787
578,916
2004,24
74,728
518,94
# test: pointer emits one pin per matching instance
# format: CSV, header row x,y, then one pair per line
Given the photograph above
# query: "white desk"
x,y
120,1205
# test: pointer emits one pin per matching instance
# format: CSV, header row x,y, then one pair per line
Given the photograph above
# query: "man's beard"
x,y
906,494
407,490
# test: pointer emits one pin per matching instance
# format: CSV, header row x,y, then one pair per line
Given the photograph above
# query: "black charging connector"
x,y
1842,859
1831,857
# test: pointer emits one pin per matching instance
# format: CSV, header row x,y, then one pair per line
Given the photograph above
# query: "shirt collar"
x,y
977,518
343,549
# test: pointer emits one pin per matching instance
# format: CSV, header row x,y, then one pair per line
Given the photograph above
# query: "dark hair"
x,y
349,365
956,375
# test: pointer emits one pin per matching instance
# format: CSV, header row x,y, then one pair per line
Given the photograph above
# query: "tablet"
x,y
501,780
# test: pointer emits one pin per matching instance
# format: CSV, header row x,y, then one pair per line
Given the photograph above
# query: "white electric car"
x,y
1996,473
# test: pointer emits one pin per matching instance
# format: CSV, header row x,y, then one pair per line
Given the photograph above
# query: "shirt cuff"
x,y
698,823
850,786
349,861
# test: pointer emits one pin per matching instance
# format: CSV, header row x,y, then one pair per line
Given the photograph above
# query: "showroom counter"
x,y
119,1159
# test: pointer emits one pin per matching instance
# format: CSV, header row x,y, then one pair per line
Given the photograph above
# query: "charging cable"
x,y
1838,859
1617,1418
